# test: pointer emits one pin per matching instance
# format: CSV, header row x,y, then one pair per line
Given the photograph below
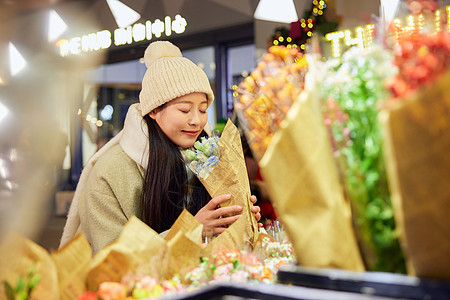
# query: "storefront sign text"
x,y
122,36
364,36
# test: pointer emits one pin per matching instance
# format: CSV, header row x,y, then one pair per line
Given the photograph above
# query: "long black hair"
x,y
165,190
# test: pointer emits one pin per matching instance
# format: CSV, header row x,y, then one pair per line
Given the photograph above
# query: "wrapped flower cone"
x,y
304,185
184,241
72,263
417,147
229,176
137,246
18,255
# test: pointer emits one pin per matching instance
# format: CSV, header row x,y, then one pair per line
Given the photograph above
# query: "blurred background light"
x,y
282,11
388,10
124,15
3,111
16,61
107,112
56,26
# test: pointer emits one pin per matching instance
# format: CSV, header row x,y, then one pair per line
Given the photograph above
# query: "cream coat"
x,y
110,185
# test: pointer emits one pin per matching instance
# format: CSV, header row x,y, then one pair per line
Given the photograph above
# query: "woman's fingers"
x,y
225,221
227,210
255,209
214,202
253,199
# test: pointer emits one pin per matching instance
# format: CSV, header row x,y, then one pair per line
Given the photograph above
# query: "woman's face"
x,y
183,118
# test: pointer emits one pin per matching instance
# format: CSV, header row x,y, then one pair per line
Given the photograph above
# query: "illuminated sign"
x,y
122,36
364,36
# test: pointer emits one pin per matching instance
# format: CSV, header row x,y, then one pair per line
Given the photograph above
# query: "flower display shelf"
x,y
397,286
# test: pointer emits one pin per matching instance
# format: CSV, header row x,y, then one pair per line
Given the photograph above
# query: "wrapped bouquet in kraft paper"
x,y
220,166
289,140
26,270
416,123
304,185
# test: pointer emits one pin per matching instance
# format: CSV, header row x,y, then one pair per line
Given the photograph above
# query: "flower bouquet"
x,y
356,83
417,145
266,95
220,166
297,162
27,270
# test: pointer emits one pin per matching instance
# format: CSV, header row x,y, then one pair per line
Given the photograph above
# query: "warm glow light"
x,y
438,20
334,38
421,21
124,15
365,36
282,11
56,26
448,18
16,60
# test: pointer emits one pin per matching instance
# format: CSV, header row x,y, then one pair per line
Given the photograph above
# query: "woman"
x,y
141,171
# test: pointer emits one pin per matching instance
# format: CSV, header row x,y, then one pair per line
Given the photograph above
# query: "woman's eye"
x,y
184,111
203,111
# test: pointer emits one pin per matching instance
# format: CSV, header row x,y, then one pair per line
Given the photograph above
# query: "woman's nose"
x,y
195,118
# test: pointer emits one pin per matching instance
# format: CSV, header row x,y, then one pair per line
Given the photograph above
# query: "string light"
x,y
437,20
370,30
421,22
448,18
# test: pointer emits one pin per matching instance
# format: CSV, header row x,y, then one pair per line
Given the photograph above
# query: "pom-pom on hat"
x,y
170,75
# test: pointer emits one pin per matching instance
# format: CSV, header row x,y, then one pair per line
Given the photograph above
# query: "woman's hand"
x,y
211,215
256,210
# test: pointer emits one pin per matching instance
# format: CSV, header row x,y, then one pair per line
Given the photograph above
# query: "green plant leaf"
x,y
9,291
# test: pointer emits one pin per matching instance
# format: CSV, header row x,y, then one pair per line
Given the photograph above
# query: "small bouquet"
x,y
204,157
220,166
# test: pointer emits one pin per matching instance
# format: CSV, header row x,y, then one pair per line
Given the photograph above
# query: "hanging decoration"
x,y
318,19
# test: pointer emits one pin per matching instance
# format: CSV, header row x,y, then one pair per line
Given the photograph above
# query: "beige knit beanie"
x,y
170,75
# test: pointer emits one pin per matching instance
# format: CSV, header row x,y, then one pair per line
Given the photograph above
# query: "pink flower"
x,y
147,282
240,276
112,291
222,273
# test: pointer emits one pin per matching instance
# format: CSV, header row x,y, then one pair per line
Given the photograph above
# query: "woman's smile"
x,y
191,133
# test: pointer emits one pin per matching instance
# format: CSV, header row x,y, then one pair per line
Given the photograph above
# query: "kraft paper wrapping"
x,y
184,241
302,180
17,256
229,176
138,246
72,263
417,153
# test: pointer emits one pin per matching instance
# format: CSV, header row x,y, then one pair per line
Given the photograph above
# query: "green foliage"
x,y
356,83
24,286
